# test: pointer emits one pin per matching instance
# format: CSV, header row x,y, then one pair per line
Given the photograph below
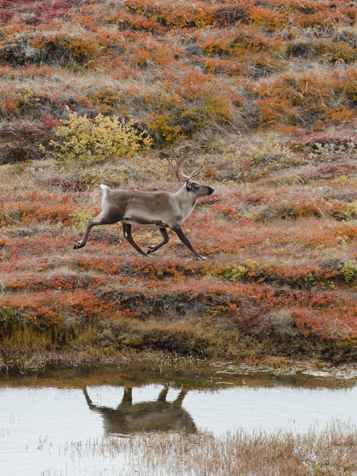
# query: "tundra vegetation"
x,y
240,453
264,95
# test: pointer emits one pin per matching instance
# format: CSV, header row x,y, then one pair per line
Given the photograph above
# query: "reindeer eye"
x,y
196,187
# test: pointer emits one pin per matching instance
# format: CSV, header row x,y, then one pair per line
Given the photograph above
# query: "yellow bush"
x,y
81,216
236,273
172,118
349,270
91,141
164,127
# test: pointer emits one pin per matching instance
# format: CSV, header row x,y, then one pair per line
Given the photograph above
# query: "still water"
x,y
41,418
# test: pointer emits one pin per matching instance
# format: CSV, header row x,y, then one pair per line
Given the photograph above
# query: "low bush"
x,y
85,141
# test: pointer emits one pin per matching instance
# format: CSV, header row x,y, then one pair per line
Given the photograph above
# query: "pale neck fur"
x,y
184,201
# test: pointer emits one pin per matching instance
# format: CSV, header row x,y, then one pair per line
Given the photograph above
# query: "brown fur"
x,y
151,209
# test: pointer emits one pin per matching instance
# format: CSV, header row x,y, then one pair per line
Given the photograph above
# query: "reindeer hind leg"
x,y
101,219
162,243
129,238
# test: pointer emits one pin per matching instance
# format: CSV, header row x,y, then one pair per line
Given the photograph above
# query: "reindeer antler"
x,y
176,163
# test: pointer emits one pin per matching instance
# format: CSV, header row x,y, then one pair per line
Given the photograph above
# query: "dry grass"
x,y
281,259
319,452
227,82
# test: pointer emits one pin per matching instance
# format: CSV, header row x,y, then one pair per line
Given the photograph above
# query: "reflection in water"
x,y
158,415
52,427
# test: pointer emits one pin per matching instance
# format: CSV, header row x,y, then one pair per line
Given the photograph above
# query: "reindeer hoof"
x,y
150,250
78,245
200,258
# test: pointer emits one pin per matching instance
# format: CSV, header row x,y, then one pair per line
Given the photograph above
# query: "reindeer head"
x,y
176,167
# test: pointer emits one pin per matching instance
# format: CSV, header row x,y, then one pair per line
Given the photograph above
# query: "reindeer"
x,y
160,210
158,415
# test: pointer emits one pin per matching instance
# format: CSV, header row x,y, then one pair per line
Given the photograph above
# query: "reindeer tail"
x,y
105,190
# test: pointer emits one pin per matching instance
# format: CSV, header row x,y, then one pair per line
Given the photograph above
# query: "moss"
x,y
322,50
132,342
18,50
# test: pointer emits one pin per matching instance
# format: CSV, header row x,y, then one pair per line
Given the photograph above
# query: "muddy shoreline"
x,y
41,364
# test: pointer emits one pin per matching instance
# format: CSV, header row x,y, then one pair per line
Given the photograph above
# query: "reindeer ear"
x,y
188,186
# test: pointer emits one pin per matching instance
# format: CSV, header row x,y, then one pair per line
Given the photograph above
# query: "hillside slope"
x,y
264,95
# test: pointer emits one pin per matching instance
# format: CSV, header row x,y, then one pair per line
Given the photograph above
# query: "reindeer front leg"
x,y
180,233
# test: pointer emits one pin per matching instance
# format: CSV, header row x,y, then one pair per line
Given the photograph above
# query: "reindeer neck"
x,y
185,200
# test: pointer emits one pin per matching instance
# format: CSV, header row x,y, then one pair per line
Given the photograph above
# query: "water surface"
x,y
40,418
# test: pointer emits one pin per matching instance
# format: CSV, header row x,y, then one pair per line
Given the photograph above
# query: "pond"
x,y
42,418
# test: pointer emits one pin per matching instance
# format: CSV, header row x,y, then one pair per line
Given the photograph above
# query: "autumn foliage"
x,y
280,257
264,95
178,68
